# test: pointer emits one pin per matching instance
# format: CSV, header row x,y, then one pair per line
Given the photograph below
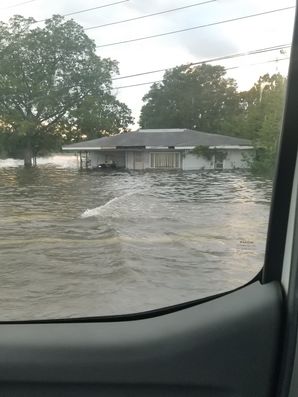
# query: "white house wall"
x,y
130,159
234,159
193,162
238,159
147,163
129,162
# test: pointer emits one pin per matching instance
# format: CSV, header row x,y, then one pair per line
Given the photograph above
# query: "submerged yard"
x,y
86,244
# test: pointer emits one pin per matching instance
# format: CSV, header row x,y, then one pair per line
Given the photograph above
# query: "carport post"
x,y
81,161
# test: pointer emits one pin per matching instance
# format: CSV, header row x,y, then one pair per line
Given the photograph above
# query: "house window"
x,y
219,158
165,160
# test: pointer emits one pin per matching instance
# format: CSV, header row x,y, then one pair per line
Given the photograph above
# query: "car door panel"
x,y
225,347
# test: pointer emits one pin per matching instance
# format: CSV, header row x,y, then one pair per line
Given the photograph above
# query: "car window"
x,y
138,143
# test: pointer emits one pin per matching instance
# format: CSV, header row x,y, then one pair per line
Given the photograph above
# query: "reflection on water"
x,y
85,244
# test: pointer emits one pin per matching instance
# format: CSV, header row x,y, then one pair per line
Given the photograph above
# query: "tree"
x,y
95,117
198,97
262,117
48,79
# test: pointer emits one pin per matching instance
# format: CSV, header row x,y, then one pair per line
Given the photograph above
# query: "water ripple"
x,y
82,244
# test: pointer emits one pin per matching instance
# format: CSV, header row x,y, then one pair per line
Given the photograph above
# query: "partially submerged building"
x,y
165,149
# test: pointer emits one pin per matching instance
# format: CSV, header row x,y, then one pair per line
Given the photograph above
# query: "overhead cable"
x,y
229,68
89,9
136,85
17,4
241,54
194,27
149,15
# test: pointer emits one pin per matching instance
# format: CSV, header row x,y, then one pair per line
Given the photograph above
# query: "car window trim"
x,y
284,175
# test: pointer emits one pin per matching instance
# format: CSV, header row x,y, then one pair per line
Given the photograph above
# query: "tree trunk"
x,y
28,155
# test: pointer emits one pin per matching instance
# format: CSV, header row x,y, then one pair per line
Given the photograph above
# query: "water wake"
x,y
58,161
111,205
11,163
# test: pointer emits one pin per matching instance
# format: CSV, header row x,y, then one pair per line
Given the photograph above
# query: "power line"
x,y
17,4
195,27
241,54
150,15
136,85
229,68
88,9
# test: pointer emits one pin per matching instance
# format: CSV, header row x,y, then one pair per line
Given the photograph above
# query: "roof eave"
x,y
231,147
82,148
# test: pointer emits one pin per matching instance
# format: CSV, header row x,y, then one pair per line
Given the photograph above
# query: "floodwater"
x,y
78,244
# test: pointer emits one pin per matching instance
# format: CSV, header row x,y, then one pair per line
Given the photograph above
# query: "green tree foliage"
x,y
262,117
209,154
51,79
95,117
198,97
202,98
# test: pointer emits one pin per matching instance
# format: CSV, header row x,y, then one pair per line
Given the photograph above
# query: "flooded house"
x,y
164,149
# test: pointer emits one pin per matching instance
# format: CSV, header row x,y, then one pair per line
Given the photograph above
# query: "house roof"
x,y
159,138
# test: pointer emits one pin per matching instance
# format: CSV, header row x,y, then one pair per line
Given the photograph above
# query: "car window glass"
x,y
137,148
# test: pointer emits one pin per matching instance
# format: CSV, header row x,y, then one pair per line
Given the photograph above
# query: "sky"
x,y
167,51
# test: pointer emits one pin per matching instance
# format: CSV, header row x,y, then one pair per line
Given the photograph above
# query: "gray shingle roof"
x,y
160,138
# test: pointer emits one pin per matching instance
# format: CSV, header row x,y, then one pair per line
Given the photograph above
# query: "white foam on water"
x,y
112,207
58,161
11,163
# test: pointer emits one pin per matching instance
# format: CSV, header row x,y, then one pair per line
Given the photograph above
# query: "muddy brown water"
x,y
78,244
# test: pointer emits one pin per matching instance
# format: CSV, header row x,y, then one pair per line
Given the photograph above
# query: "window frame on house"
x,y
156,159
